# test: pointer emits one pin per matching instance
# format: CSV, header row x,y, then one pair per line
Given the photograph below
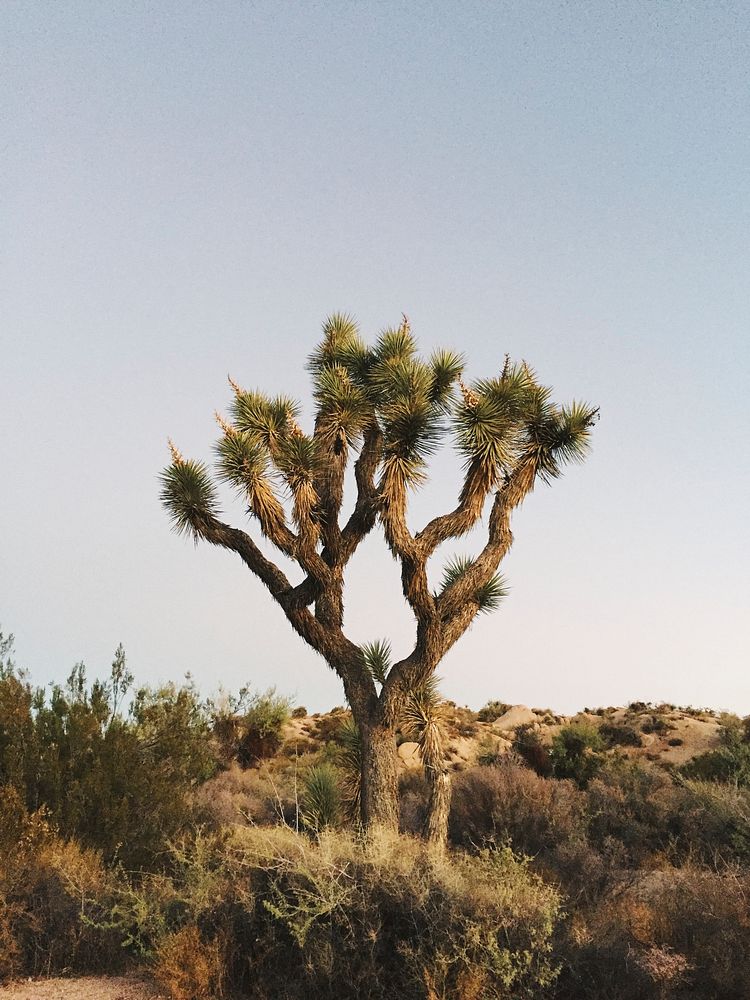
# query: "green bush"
x,y
710,823
577,753
619,734
489,751
632,805
119,784
727,765
492,711
527,743
263,720
657,725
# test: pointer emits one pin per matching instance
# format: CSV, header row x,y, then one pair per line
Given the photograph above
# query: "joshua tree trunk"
x,y
378,778
438,806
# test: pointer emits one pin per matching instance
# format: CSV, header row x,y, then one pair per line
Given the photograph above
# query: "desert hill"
x,y
658,734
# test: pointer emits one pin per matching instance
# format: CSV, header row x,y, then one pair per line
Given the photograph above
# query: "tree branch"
x,y
364,515
476,488
340,652
410,554
457,605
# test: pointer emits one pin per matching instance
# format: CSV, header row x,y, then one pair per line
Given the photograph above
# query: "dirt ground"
x,y
88,988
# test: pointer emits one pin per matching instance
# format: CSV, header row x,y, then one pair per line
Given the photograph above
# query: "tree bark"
x,y
379,779
438,807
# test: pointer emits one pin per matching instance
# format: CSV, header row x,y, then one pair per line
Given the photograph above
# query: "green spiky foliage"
x,y
384,408
487,595
378,658
423,717
349,760
190,497
321,798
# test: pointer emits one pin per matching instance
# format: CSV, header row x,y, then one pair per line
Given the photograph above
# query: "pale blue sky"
x,y
188,189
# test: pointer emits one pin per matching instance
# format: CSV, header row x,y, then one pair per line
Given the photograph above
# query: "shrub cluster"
x,y
271,913
654,874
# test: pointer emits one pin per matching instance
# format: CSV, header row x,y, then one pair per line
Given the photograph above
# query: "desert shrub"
x,y
17,737
490,751
188,967
492,711
117,784
639,707
619,734
54,895
486,919
335,917
709,823
727,764
599,948
239,796
630,804
585,872
267,711
328,727
527,743
321,798
703,915
657,725
704,714
511,804
460,720
300,712
262,722
576,753
680,933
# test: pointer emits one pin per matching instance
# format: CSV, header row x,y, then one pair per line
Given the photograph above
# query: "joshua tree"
x,y
391,409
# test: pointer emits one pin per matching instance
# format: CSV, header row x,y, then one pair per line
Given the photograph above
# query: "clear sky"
x,y
187,189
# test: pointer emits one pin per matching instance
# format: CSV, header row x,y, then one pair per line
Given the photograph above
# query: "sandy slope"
x,y
88,988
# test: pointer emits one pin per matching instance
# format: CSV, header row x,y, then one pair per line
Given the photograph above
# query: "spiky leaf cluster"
x,y
377,656
244,462
349,759
423,718
410,397
341,346
321,798
509,423
344,409
487,596
189,496
266,420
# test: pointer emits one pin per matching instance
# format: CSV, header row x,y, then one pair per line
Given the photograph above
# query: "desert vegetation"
x,y
216,845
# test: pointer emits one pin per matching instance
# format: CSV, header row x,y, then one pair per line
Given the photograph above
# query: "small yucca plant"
x,y
321,798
